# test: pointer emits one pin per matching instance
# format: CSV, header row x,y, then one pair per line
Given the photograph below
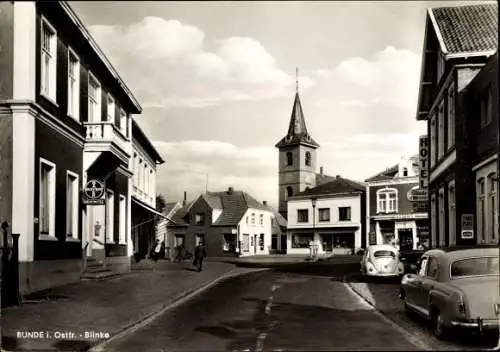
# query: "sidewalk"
x,y
76,316
276,260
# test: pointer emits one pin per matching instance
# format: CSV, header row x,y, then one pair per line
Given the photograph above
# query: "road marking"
x,y
102,346
411,337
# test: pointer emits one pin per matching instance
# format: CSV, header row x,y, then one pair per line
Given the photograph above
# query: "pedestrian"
x,y
200,253
157,249
420,247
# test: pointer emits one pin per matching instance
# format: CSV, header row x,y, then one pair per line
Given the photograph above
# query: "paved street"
x,y
269,311
384,294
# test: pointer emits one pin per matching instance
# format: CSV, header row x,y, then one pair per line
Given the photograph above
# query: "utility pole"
x,y
206,184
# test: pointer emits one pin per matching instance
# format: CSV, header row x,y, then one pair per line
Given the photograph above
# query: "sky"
x,y
216,81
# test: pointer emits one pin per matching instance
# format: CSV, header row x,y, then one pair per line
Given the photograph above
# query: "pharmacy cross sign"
x,y
94,190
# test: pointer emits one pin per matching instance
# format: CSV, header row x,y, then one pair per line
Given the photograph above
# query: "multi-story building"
x,y
397,207
66,130
144,217
458,42
227,222
330,215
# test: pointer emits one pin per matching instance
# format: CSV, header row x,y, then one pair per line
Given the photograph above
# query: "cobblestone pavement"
x,y
76,316
384,295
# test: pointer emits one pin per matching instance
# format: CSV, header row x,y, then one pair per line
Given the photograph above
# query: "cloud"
x,y
189,163
166,63
390,77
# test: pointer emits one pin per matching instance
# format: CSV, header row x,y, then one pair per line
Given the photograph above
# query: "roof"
x,y
466,29
169,207
387,174
378,247
144,141
212,200
297,130
322,179
179,217
339,185
100,54
280,219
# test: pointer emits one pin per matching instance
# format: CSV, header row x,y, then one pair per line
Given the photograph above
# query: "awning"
x,y
152,210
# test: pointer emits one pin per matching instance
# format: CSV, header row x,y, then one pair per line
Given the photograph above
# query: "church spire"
x,y
297,130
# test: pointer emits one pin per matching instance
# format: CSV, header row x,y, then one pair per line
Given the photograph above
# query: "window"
x,y
344,213
405,172
122,219
94,100
451,116
47,198
200,238
179,240
73,85
199,219
440,139
261,241
110,216
289,191
384,254
324,214
492,205
422,271
433,148
452,214
474,267
289,158
485,107
123,122
261,219
111,109
301,240
302,215
433,268
246,219
253,218
387,200
308,158
72,201
481,210
48,61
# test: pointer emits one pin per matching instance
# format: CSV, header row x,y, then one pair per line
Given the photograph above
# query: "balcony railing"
x,y
107,132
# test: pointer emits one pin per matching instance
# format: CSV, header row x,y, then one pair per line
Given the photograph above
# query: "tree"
x,y
160,202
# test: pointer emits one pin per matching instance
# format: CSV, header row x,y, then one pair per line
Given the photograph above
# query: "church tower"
x,y
297,157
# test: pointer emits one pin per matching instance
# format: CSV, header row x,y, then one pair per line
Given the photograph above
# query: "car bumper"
x,y
378,274
478,324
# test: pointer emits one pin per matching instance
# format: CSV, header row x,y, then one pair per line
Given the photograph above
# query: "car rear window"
x,y
474,267
379,254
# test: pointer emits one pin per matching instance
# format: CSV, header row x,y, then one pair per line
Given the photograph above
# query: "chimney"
x,y
321,170
230,190
265,202
185,199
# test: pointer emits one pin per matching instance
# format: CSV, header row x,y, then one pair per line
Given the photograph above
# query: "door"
x,y
327,243
428,283
283,243
405,239
417,293
274,242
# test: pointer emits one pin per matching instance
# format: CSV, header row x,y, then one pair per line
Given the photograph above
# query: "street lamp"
x,y
313,249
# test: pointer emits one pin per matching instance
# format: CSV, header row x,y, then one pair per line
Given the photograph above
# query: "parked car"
x,y
381,260
455,288
409,257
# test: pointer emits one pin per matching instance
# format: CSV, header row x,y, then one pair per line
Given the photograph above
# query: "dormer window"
x,y
308,158
289,159
200,219
405,172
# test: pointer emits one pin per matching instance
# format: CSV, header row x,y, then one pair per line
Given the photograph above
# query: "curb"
x,y
412,337
172,303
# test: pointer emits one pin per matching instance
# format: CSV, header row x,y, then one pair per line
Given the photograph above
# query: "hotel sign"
x,y
423,162
93,193
467,226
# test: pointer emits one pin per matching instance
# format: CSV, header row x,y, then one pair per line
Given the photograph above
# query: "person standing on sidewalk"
x,y
200,253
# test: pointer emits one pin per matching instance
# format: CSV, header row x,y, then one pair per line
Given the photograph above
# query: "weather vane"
x,y
297,80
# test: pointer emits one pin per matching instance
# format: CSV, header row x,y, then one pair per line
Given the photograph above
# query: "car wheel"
x,y
439,328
